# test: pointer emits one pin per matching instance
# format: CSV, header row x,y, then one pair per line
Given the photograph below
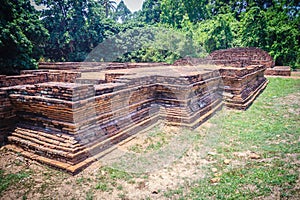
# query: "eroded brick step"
x,y
191,118
63,154
45,141
92,151
201,118
242,95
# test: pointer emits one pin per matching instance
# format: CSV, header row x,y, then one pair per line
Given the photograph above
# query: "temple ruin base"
x,y
69,115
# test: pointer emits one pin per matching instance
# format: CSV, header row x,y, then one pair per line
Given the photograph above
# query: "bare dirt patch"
x,y
104,180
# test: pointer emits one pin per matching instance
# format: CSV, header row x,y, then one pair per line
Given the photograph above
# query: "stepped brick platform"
x,y
69,118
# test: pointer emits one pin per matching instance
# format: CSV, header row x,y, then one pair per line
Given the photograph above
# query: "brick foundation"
x,y
67,117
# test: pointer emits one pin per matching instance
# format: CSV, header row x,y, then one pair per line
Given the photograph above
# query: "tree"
x,y
172,12
22,35
147,44
197,10
253,28
109,6
75,28
122,12
217,33
283,40
274,27
151,11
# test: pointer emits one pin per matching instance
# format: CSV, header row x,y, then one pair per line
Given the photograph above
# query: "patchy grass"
x,y
8,180
154,141
114,174
269,131
108,178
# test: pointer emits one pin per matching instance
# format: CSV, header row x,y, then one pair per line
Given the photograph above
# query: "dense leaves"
x,y
69,30
271,25
21,38
146,44
217,33
75,27
151,11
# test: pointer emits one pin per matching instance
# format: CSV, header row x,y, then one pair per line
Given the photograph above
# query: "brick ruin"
x,y
249,56
279,71
67,115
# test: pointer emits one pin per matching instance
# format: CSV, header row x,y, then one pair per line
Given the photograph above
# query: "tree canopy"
x,y
22,36
68,30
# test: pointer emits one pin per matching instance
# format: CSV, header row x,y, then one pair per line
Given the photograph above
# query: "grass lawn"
x,y
253,154
260,147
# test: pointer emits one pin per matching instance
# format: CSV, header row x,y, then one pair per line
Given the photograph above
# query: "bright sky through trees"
x,y
133,5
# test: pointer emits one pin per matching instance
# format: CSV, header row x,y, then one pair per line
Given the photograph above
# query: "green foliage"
x,y
22,35
283,37
217,33
151,11
253,28
172,12
271,25
75,27
147,44
197,10
274,31
109,6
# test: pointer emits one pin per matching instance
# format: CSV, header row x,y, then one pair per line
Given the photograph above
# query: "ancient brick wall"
x,y
93,66
28,77
62,123
65,123
241,57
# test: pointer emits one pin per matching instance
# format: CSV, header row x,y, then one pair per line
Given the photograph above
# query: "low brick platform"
x,y
278,71
68,118
241,57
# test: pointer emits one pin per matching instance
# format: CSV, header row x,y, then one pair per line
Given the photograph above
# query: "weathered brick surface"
x,y
241,57
7,115
241,88
234,57
36,76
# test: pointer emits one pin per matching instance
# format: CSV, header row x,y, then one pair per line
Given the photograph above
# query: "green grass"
x,y
102,186
7,180
269,128
170,193
155,140
108,177
115,174
89,195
